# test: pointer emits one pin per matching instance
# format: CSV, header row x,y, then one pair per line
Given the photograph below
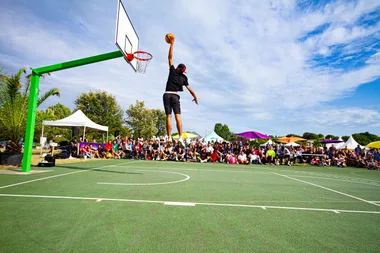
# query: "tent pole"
x,y
42,135
84,133
107,136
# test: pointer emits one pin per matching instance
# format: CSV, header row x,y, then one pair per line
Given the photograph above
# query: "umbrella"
x,y
331,141
290,139
186,135
375,144
253,135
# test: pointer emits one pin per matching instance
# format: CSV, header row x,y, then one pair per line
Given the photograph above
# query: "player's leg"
x,y
169,125
168,111
179,124
176,105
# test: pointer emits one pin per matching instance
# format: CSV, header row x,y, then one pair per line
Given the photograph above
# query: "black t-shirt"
x,y
155,146
176,80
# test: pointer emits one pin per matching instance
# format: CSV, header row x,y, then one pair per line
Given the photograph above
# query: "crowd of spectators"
x,y
161,149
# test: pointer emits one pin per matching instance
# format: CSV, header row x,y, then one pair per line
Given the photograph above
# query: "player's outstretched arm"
x,y
170,56
192,93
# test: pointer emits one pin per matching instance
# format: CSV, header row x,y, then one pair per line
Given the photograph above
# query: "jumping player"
x,y
171,99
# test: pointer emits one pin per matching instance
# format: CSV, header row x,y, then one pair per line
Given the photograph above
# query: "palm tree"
x,y
14,99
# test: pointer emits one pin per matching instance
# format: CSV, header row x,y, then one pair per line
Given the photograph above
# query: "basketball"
x,y
169,37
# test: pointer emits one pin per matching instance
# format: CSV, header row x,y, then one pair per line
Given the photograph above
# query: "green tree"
x,y
161,122
102,108
321,136
345,138
310,136
332,137
14,97
143,121
224,132
55,112
295,135
365,138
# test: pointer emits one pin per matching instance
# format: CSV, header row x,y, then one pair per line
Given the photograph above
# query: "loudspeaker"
x,y
75,132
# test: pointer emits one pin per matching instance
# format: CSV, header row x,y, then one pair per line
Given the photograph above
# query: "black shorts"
x,y
171,102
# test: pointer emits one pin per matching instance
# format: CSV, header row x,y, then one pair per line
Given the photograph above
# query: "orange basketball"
x,y
169,37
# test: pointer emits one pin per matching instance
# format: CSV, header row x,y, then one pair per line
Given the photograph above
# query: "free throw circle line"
x,y
187,177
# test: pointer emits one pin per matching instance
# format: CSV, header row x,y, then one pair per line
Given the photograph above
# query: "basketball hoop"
x,y
142,59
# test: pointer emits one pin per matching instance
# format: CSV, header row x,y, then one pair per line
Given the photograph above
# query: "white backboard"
x,y
126,38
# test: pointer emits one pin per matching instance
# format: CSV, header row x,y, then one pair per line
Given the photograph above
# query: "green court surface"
x,y
146,206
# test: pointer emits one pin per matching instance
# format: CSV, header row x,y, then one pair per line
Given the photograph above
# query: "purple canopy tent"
x,y
253,135
331,141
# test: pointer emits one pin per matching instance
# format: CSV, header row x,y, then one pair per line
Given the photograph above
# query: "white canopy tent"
x,y
293,144
77,119
269,142
349,144
212,136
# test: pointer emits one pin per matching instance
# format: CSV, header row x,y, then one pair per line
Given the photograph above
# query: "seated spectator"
x,y
270,156
341,161
94,152
254,158
372,165
203,155
232,159
116,153
283,154
242,158
108,149
214,157
180,154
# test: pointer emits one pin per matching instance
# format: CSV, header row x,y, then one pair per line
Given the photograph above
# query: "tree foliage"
x,y
295,135
332,137
224,132
365,138
345,138
145,122
102,108
310,136
55,112
14,98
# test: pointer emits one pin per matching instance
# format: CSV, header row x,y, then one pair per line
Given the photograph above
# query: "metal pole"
x,y
33,99
42,135
84,133
30,122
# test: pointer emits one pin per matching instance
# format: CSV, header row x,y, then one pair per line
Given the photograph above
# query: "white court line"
x,y
179,204
342,193
191,203
60,175
336,179
187,177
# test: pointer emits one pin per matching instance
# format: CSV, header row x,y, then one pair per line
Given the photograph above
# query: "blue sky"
x,y
277,67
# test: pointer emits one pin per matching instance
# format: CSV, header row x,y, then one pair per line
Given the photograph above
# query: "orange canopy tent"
x,y
290,139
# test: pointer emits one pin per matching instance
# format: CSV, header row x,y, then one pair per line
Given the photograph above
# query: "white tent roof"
x,y
77,119
269,142
350,144
212,136
293,144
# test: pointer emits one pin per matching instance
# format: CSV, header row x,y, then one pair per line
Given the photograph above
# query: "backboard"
x,y
126,38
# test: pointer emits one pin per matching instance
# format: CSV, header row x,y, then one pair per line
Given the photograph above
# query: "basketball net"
x,y
142,60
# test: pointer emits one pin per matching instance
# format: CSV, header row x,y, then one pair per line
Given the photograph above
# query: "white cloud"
x,y
347,117
245,59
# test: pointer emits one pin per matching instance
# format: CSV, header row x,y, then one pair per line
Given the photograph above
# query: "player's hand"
x,y
195,100
172,41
